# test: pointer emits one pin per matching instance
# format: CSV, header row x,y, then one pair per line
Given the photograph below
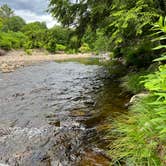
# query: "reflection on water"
x,y
50,114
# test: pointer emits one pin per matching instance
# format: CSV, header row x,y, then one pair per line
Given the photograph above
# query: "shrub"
x,y
71,51
28,51
51,45
84,48
11,40
139,55
60,47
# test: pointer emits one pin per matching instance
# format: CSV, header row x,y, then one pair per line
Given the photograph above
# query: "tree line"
x,y
15,33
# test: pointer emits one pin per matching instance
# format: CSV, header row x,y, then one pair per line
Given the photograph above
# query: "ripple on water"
x,y
45,110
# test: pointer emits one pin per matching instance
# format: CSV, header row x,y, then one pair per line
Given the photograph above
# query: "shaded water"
x,y
50,114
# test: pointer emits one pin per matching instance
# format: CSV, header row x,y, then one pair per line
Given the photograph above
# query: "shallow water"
x,y
53,114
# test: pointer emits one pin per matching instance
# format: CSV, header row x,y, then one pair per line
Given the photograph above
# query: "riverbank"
x,y
16,59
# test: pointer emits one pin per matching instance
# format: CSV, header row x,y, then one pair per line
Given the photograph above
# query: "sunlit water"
x,y
53,114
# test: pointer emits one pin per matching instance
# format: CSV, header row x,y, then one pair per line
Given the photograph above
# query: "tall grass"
x,y
131,82
140,136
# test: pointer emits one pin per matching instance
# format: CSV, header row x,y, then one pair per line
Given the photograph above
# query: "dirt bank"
x,y
16,59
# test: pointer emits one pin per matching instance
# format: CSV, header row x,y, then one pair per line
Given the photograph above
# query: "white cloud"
x,y
29,16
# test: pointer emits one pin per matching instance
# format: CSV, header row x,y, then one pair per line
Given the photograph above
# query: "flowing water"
x,y
52,114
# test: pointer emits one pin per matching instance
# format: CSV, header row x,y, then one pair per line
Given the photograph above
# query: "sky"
x,y
31,10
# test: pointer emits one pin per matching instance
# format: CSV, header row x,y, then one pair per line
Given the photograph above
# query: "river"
x,y
53,114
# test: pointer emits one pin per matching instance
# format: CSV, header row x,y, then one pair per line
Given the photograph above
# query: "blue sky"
x,y
31,10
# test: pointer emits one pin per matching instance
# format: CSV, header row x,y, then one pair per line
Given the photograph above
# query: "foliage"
x,y
135,15
84,48
12,40
28,51
141,133
1,23
117,26
74,43
50,45
131,82
139,55
101,44
60,47
80,14
57,39
14,24
6,11
61,34
34,26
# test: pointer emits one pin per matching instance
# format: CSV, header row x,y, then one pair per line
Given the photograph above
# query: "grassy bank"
x,y
139,136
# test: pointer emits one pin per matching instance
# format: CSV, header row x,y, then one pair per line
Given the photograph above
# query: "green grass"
x,y
139,137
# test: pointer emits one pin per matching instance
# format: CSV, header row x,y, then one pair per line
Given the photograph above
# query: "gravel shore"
x,y
16,59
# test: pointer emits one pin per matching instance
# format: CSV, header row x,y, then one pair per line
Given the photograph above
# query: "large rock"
x,y
136,98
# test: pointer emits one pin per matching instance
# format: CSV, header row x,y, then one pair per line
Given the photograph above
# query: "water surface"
x,y
50,114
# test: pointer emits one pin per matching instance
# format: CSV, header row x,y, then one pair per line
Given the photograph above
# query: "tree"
x,y
34,26
80,13
6,11
36,33
61,34
14,24
123,23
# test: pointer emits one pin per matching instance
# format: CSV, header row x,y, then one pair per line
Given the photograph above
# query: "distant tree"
x,y
36,33
34,26
60,33
6,11
14,24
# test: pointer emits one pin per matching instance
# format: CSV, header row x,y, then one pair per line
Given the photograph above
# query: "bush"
x,y
60,47
28,51
139,55
71,51
11,40
51,45
84,48
101,43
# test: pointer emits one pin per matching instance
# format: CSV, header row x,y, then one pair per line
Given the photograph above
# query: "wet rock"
x,y
89,102
136,98
18,95
77,113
